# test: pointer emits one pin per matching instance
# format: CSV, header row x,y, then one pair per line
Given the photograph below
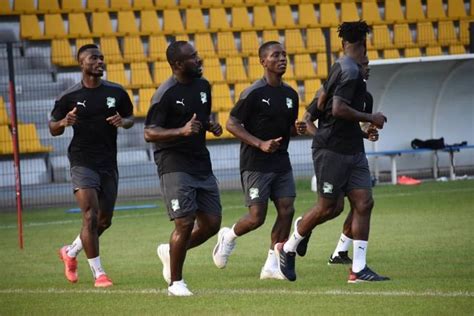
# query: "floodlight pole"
x,y
16,148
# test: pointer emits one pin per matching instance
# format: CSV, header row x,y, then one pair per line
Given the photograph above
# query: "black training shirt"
x,y
172,106
94,143
345,82
266,112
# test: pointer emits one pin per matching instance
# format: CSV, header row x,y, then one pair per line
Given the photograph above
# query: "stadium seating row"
x,y
28,140
174,21
226,44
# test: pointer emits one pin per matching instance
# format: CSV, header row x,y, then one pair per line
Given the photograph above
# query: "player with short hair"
x,y
263,119
95,108
339,158
176,123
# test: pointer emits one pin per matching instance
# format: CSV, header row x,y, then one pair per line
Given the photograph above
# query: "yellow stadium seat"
x,y
414,10
210,3
391,54
255,1
464,31
212,70
166,3
6,143
116,73
157,45
110,48
221,100
181,37
232,1
78,26
435,10
433,51
240,18
189,3
204,45
328,14
54,26
72,6
126,23
47,6
84,41
322,65
144,101
120,5
133,49
140,75
393,11
101,24
294,41
239,87
447,33
283,16
303,66
149,22
311,86
472,8
61,53
262,17
307,15
271,35
143,4
5,7
24,6
349,12
29,141
402,35
222,118
4,118
336,45
97,5
235,70
373,54
292,83
172,21
29,27
217,19
195,20
457,49
315,41
249,43
370,12
381,37
425,34
161,71
255,69
412,52
456,9
226,44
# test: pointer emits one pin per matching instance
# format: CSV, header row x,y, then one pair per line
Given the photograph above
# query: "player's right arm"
x,y
57,127
154,133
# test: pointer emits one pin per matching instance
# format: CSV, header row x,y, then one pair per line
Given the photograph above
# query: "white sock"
x,y
360,253
343,245
96,267
230,235
293,241
271,263
76,247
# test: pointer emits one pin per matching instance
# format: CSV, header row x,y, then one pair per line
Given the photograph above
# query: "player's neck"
x,y
91,81
273,79
182,78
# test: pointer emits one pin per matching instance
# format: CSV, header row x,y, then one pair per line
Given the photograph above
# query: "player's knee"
x,y
90,221
366,206
256,221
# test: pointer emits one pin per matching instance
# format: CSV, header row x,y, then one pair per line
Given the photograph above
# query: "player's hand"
x,y
300,127
378,119
271,145
215,128
372,133
193,126
115,120
70,119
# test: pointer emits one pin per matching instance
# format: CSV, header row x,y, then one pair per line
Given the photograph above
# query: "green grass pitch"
x,y
422,237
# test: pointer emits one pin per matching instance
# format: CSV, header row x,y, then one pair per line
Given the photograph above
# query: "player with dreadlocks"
x,y
339,159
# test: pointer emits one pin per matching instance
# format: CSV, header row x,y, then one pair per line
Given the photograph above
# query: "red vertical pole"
x,y
16,147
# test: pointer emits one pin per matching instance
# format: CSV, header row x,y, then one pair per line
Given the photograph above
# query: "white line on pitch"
x,y
428,293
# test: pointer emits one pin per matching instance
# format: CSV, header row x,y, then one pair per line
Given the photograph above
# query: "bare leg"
x,y
178,245
251,221
282,227
89,204
206,226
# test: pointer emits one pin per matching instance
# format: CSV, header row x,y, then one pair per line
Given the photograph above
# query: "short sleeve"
x,y
243,109
61,108
347,85
125,107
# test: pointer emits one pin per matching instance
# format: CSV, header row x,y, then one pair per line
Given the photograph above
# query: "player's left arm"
x,y
124,116
214,127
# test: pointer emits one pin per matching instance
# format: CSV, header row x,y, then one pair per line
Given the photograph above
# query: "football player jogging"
x,y
314,111
176,123
339,158
263,119
95,109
